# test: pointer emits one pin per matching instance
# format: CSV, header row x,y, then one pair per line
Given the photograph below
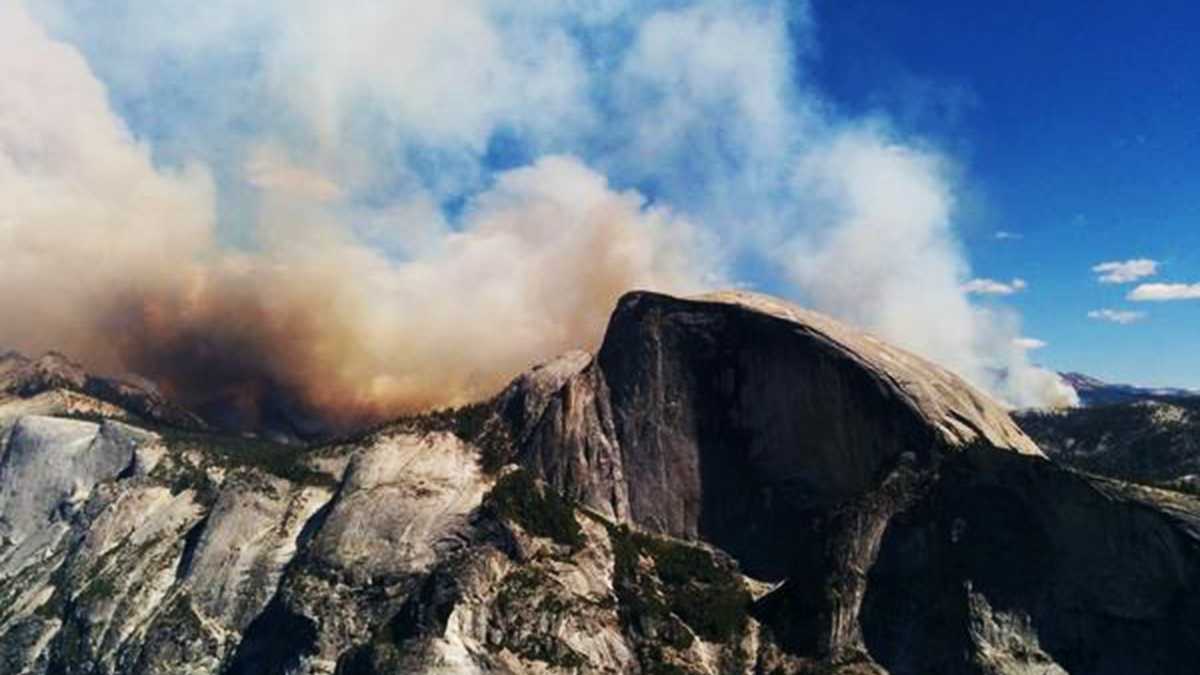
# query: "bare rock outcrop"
x,y
730,485
727,417
53,384
824,458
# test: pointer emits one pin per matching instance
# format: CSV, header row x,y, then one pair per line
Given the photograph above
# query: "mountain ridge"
x,y
1094,391
728,485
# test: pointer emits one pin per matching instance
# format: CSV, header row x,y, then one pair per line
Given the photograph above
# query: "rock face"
x,y
50,467
729,485
1007,565
819,455
728,417
54,384
402,506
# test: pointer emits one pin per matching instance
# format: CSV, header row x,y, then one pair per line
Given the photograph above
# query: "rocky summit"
x,y
729,485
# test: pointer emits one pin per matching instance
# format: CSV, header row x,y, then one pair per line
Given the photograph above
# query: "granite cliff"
x,y
729,485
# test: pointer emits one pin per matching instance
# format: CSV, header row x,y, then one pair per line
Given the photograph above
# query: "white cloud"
x,y
889,260
269,169
1028,343
1120,316
993,287
687,74
1005,234
1165,292
350,129
84,213
442,73
103,250
1123,272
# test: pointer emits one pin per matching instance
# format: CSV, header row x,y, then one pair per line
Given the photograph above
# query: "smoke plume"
x,y
381,207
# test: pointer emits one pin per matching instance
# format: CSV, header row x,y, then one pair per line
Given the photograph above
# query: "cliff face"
x,y
729,417
730,485
1006,565
874,482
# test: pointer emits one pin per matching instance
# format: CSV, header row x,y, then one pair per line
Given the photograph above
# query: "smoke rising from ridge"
x,y
353,334
392,206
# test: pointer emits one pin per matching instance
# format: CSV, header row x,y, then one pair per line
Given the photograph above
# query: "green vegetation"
x,y
101,588
528,596
180,620
14,587
97,418
496,447
640,607
469,423
540,511
1180,485
71,645
231,452
519,586
654,662
1126,441
242,452
706,594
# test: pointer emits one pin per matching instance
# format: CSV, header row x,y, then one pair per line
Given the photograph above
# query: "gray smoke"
x,y
281,224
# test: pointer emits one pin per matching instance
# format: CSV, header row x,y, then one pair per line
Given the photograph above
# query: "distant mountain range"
x,y
1093,391
1140,434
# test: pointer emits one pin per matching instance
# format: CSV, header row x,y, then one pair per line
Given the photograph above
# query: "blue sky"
x,y
1077,127
468,186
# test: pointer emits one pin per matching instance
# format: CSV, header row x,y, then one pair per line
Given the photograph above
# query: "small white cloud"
x,y
1123,272
268,169
1028,343
1005,234
993,287
1165,292
1120,316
